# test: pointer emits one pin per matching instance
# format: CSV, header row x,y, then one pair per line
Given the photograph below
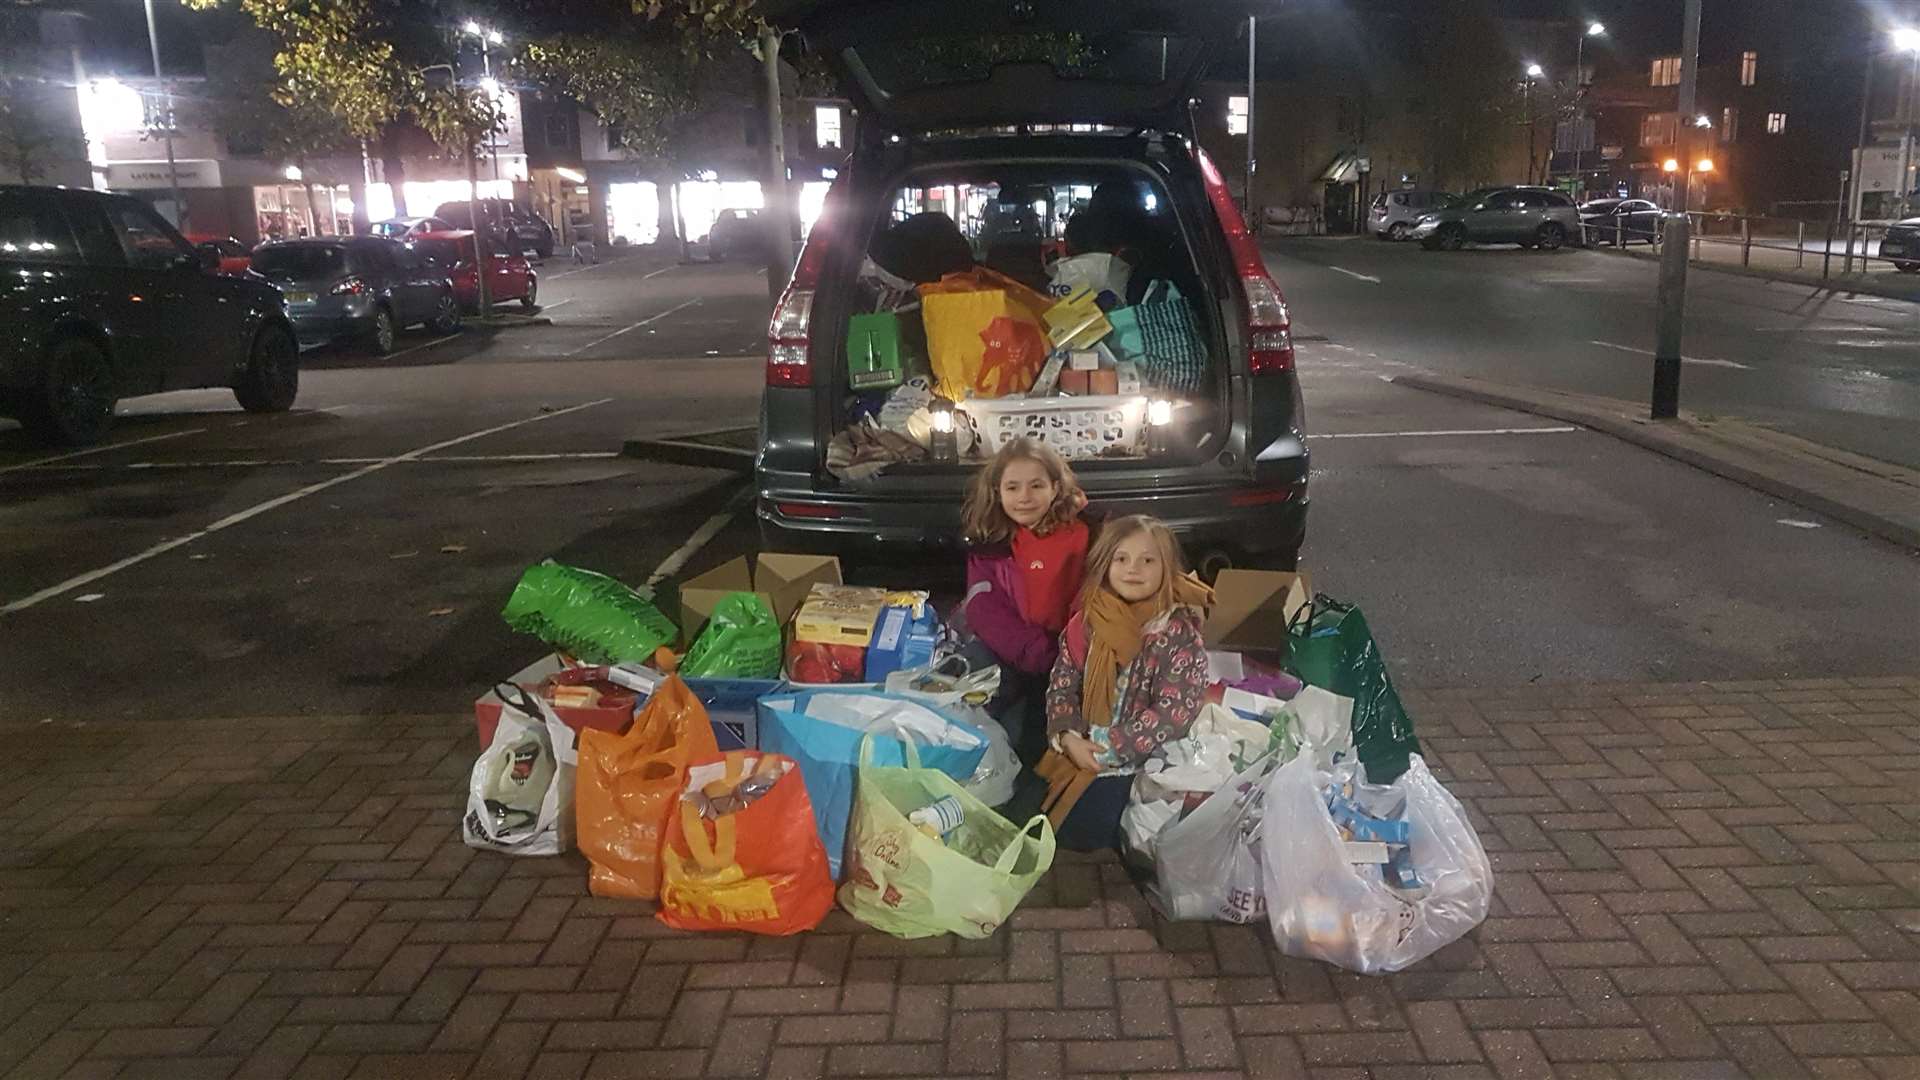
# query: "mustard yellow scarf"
x,y
1114,631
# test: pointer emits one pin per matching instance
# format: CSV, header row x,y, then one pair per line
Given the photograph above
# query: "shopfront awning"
x,y
1343,169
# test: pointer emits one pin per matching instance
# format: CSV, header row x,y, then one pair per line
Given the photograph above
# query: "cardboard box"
x,y
782,580
1084,360
835,614
1077,383
1251,609
1103,382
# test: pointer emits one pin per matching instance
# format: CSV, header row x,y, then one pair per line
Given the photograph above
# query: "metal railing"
x,y
1844,247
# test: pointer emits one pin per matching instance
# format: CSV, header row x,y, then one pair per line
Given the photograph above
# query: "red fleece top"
x,y
1050,567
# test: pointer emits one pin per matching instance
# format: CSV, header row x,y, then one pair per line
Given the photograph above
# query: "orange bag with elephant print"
x,y
984,333
742,852
626,785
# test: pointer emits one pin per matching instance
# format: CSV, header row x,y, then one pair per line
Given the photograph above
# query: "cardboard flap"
x,y
700,595
1251,608
785,579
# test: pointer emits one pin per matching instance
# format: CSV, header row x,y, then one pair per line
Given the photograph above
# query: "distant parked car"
x,y
453,253
406,228
360,287
105,300
1528,216
233,255
737,232
1902,245
1395,212
528,230
1627,221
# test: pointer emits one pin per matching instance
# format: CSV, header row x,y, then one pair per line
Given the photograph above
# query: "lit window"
x,y
1729,124
1776,123
1659,129
1749,68
826,126
1237,114
1666,71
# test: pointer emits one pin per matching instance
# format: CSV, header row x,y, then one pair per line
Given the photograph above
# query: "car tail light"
x,y
807,510
790,332
1260,497
351,286
1268,327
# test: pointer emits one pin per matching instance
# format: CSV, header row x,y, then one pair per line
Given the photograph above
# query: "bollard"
x,y
1800,248
1746,241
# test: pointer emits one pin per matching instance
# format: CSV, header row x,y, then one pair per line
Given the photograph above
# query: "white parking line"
x,y
417,348
1351,274
256,510
558,303
1431,434
580,270
1688,359
656,273
635,326
99,450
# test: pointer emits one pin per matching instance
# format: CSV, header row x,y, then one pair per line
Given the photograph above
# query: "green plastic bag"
x,y
741,641
589,616
1329,646
911,885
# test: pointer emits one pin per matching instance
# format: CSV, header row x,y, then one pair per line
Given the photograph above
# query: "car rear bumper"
x,y
1253,520
317,328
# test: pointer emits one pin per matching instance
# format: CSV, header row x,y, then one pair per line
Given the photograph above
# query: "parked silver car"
x,y
1396,212
1528,216
360,287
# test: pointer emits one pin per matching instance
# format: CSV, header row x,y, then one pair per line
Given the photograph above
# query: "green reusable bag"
x,y
589,616
741,641
874,351
911,885
1329,646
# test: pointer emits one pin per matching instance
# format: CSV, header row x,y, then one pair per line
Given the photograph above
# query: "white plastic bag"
x,y
946,682
992,782
520,793
1209,861
1324,907
1106,274
1321,719
1203,760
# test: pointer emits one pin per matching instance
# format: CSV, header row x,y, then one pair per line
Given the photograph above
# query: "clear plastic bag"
x,y
520,792
1324,907
1209,861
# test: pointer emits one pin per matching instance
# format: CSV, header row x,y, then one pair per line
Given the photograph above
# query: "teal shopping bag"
x,y
1161,335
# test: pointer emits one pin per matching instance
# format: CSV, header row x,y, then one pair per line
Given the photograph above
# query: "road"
x,y
352,556
1840,370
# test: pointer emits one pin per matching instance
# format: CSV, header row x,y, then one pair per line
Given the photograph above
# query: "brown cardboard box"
x,y
1251,609
782,580
1103,382
1076,382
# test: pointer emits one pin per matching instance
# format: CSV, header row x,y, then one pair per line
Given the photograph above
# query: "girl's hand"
x,y
1079,750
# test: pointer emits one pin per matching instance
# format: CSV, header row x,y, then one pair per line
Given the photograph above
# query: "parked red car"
x,y
512,277
235,257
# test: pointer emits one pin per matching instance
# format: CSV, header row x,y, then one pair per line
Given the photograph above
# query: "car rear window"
x,y
299,261
33,230
443,251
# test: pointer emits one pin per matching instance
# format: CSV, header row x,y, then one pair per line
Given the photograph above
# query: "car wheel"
x,y
1553,236
272,378
447,317
75,404
1907,267
380,340
1453,237
531,301
1397,231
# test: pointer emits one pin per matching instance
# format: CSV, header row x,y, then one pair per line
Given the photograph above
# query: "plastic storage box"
x,y
1079,428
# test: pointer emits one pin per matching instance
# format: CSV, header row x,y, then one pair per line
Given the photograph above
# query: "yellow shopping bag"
x,y
984,334
1077,321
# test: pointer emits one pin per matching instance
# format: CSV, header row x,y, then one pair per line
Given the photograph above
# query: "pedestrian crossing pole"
x,y
1670,309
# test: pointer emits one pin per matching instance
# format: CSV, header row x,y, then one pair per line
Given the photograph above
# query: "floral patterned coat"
x,y
1166,686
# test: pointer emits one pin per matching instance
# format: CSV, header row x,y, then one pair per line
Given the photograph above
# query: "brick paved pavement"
x,y
1693,881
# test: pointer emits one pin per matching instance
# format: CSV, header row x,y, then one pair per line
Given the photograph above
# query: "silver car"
x,y
1395,212
1528,216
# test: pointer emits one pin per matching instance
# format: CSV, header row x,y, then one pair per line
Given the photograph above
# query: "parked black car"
x,y
1227,467
362,288
1902,245
529,230
1622,221
737,232
103,300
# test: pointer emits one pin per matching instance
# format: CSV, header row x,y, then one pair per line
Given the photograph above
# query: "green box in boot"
x,y
874,351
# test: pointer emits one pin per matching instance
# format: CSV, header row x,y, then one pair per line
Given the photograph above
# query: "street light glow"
x,y
495,37
472,28
1907,39
1596,29
1702,121
1706,165
1534,71
293,172
491,85
1670,165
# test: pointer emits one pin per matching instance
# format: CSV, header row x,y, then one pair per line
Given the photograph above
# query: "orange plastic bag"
x,y
627,784
984,333
758,868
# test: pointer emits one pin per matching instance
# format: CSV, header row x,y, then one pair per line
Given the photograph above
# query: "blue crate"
x,y
730,707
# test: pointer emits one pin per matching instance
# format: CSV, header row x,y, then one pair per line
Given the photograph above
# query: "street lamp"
x,y
1907,39
1594,29
487,37
1534,71
173,169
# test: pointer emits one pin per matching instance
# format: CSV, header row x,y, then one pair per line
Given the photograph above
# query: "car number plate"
x,y
299,298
